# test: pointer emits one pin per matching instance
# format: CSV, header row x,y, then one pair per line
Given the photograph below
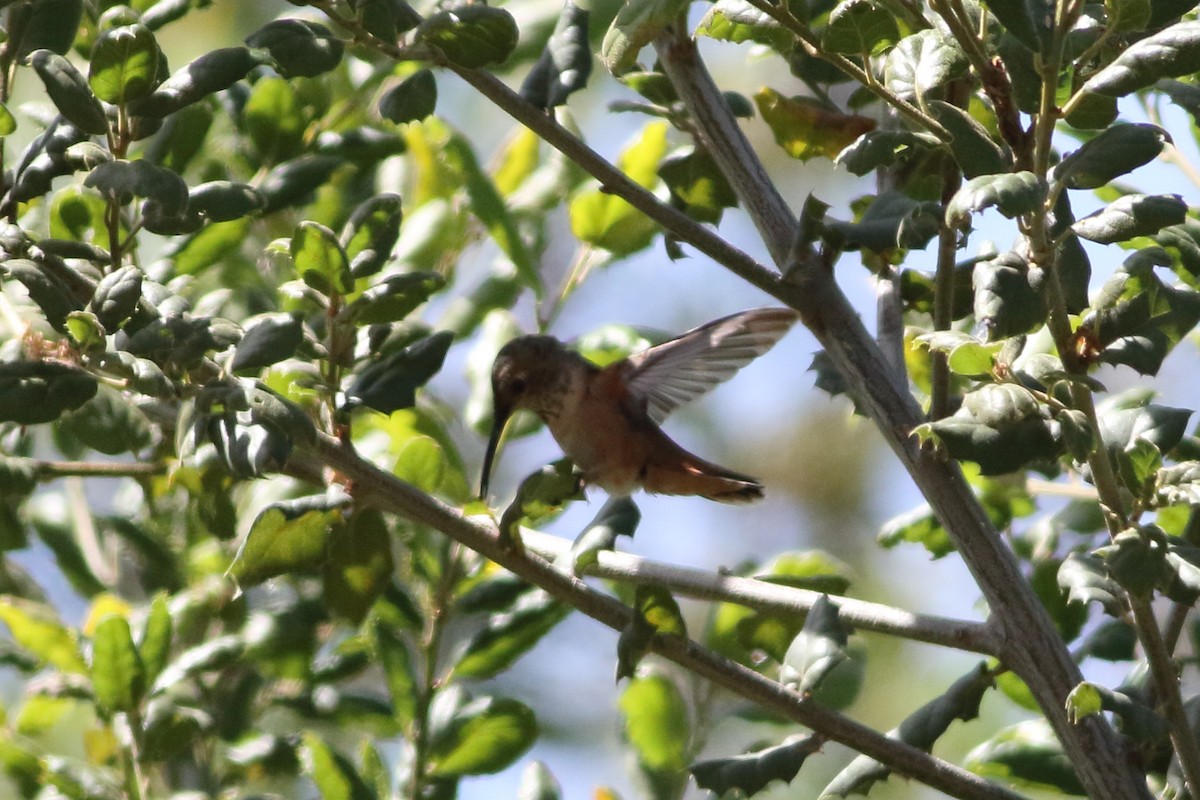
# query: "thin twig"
x,y
975,637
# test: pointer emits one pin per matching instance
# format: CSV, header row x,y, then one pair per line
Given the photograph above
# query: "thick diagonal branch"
x,y
1032,647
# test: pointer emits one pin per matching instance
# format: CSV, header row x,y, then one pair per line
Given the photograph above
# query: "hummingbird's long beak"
x,y
501,416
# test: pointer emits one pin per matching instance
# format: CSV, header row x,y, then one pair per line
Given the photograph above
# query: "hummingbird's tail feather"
x,y
694,476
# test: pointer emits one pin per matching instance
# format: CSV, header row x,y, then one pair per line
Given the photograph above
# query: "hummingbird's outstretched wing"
x,y
680,370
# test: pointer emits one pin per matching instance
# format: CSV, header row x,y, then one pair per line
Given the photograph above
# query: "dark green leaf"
x,y
1136,559
117,296
806,128
412,100
919,526
883,148
395,297
1008,298
40,391
269,339
1027,20
224,201
996,450
51,295
921,62
892,222
1027,753
1132,215
289,536
293,181
371,233
542,495
1170,53
617,517
70,93
1012,194
750,773
124,64
390,383
1120,149
51,24
565,63
860,27
470,36
123,180
109,423
298,47
210,73
973,148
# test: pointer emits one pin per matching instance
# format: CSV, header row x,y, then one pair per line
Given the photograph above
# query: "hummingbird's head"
x,y
526,374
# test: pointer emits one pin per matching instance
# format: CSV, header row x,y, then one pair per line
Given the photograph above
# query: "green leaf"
x,y
288,536
359,566
1029,755
371,233
738,21
470,36
412,100
1169,53
155,645
124,64
1121,149
1137,559
117,296
1008,297
566,62
697,185
883,148
268,339
751,773
1013,194
109,423
920,729
1132,215
923,61
542,495
124,180
51,24
210,245
70,93
396,660
395,297
973,148
275,119
919,526
320,260
8,122
805,128
605,220
489,208
293,181
1027,21
617,517
634,27
210,73
40,391
391,382
658,729
893,221
483,737
224,201
36,629
818,650
118,677
298,47
860,27
537,783
508,636
995,450
334,775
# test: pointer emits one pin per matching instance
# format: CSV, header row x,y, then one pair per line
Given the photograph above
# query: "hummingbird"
x,y
607,419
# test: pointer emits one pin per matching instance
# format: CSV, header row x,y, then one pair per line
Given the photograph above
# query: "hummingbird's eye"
x,y
517,386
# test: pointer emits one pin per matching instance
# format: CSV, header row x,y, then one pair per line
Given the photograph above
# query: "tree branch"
x,y
1032,647
374,487
761,595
